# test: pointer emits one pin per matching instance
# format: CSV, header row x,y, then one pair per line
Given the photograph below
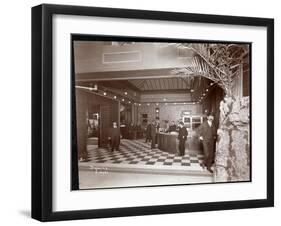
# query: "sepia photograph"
x,y
155,112
138,112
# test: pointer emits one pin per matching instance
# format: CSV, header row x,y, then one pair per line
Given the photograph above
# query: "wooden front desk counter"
x,y
167,142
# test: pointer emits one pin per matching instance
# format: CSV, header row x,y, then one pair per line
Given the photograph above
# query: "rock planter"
x,y
232,161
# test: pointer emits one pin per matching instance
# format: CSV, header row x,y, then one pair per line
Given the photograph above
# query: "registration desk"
x,y
167,142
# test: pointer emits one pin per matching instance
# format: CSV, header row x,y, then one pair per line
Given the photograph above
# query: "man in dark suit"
x,y
153,134
182,138
207,134
114,137
148,132
172,127
132,131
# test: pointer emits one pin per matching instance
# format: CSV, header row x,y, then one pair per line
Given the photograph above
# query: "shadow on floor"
x,y
25,213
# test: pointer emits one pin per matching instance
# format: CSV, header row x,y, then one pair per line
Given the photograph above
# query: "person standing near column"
x,y
114,137
148,132
207,134
182,138
153,135
157,126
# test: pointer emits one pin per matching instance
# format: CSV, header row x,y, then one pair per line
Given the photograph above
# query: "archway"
x,y
224,64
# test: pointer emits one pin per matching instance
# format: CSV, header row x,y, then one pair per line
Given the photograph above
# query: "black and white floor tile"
x,y
138,154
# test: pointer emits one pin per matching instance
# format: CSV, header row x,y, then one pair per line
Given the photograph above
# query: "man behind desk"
x,y
207,134
172,127
182,138
114,137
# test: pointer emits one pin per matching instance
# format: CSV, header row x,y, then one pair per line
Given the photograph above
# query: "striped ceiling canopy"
x,y
162,84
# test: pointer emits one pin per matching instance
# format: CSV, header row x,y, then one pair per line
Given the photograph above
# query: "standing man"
x,y
153,134
157,126
114,137
131,131
148,132
182,138
172,127
207,134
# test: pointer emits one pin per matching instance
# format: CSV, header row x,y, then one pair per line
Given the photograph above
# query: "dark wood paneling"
x,y
81,123
105,124
89,102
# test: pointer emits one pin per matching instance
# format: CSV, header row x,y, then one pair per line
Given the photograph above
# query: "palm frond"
x,y
218,62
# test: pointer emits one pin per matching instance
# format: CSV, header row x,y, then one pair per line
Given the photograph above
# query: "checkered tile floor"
x,y
138,153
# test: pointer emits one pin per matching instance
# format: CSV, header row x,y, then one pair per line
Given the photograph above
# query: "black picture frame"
x,y
42,106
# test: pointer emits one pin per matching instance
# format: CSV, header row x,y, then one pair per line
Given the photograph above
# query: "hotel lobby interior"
x,y
135,84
